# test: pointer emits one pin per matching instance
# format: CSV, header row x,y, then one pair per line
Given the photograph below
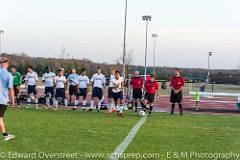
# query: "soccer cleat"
x,y
8,137
74,108
109,112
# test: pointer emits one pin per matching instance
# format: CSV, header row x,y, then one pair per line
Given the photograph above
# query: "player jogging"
x,y
98,81
60,81
83,85
177,83
6,89
118,86
110,91
137,86
17,81
151,88
73,86
31,82
48,80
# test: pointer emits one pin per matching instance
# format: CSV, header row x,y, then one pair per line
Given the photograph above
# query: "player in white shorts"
x,y
60,81
83,85
98,81
48,80
31,83
118,87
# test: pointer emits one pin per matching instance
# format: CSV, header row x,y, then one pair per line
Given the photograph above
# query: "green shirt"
x,y
17,80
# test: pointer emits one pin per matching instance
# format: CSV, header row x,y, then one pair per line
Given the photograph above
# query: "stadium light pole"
x,y
146,18
155,36
209,56
124,40
1,33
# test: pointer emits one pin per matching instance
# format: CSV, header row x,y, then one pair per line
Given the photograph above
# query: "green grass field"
x,y
80,133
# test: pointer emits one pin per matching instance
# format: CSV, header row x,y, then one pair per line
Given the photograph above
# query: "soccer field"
x,y
91,135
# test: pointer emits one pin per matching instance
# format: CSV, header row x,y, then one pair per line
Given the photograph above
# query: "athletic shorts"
x,y
60,93
73,90
137,93
149,97
176,98
49,90
118,96
3,109
82,93
16,90
32,90
97,92
110,92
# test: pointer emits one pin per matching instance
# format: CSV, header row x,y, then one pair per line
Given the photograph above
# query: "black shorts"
x,y
149,97
73,90
176,98
97,92
82,92
16,90
32,90
117,96
110,92
137,93
3,109
48,91
60,93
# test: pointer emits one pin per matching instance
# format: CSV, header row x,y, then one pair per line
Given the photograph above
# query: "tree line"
x,y
21,62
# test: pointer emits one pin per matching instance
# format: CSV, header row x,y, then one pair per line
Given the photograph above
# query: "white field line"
x,y
123,146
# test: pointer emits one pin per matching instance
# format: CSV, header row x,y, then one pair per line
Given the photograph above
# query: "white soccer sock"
x,y
99,104
29,100
121,108
48,101
65,102
36,101
84,102
56,103
76,102
92,103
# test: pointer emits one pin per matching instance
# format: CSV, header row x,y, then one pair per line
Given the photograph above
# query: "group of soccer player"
x,y
145,92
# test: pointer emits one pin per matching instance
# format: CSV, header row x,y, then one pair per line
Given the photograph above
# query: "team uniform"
x,y
137,84
60,90
98,81
177,83
118,93
48,79
151,88
6,82
73,79
83,84
31,79
110,88
17,81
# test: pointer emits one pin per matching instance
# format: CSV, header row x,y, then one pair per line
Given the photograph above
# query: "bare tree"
x,y
128,60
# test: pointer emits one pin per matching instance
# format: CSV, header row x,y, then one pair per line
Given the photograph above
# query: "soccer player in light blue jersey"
x,y
6,89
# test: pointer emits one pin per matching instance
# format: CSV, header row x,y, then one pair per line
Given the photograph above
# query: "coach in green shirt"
x,y
17,81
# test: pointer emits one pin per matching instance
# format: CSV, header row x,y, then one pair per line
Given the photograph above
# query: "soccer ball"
x,y
142,113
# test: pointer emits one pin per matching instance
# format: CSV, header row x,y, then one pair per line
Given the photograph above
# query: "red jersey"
x,y
151,87
137,82
177,82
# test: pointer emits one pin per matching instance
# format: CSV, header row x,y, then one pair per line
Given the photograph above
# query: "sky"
x,y
93,29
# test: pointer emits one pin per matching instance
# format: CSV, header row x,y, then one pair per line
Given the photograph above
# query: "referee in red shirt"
x,y
177,83
137,86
